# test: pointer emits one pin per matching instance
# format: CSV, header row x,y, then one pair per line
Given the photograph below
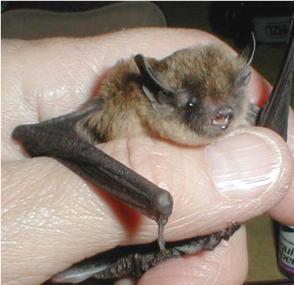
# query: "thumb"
x,y
243,175
232,180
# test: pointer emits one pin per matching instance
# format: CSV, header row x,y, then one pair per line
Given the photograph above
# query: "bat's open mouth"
x,y
223,118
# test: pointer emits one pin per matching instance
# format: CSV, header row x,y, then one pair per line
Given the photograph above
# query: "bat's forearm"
x,y
124,183
57,138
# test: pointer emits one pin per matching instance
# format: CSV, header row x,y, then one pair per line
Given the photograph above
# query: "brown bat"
x,y
191,97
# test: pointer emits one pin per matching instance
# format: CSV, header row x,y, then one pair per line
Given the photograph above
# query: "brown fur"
x,y
206,72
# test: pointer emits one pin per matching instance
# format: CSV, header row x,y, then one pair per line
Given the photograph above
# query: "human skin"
x,y
52,218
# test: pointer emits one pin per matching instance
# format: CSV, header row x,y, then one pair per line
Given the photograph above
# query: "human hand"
x,y
52,218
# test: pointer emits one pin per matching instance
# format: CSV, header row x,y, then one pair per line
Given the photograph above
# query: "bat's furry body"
x,y
210,77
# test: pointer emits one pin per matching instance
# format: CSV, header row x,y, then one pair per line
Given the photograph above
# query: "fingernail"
x,y
245,165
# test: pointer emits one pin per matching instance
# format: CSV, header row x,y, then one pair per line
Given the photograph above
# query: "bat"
x,y
191,97
143,96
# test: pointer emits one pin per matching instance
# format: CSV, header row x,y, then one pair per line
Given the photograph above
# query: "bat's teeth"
x,y
222,125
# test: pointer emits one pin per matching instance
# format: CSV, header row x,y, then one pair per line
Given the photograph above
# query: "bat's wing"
x,y
132,261
275,113
59,138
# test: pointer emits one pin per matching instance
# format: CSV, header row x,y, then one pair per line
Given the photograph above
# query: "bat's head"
x,y
195,94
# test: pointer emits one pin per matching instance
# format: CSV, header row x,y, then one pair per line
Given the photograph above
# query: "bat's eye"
x,y
191,104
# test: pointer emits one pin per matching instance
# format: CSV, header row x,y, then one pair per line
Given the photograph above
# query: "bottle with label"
x,y
286,250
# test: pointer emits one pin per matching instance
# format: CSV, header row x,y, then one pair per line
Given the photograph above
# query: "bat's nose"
x,y
223,117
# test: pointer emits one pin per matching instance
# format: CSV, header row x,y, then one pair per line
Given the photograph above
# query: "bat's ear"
x,y
154,90
247,57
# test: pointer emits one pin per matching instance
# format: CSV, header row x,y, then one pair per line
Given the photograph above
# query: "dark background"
x,y
232,21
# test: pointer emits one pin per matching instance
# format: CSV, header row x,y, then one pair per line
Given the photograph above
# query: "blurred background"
x,y
231,21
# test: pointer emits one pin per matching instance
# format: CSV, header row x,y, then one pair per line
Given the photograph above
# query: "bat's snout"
x,y
223,117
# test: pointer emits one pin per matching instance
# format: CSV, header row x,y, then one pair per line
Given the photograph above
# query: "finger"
x,y
234,179
251,173
284,210
227,264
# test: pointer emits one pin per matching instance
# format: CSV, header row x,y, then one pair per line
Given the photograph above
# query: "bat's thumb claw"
x,y
163,205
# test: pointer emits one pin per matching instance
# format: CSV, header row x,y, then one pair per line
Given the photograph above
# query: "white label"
x,y
287,250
